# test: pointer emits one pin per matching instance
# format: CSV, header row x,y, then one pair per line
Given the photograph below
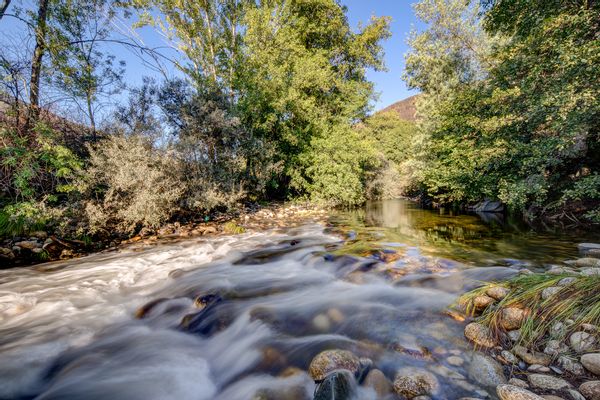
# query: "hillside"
x,y
405,108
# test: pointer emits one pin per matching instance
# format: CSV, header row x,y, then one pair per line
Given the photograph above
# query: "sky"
x,y
388,84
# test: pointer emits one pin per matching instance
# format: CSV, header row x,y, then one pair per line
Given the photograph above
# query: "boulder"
x,y
412,382
485,370
587,262
590,390
547,382
511,392
479,334
330,360
582,342
512,318
497,292
591,362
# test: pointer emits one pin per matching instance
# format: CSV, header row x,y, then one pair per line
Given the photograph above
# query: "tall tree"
x,y
40,32
3,6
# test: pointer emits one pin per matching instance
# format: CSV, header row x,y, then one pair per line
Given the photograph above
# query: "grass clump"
x,y
232,228
572,305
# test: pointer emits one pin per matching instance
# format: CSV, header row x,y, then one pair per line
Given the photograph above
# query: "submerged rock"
x,y
376,380
330,360
338,385
485,370
479,334
412,382
511,392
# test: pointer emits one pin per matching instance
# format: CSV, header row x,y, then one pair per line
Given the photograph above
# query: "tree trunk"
x,y
36,61
3,7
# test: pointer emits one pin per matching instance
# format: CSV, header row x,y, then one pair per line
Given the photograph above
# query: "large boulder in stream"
x,y
338,385
330,360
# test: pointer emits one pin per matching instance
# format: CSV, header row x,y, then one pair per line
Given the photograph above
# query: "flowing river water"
x,y
242,316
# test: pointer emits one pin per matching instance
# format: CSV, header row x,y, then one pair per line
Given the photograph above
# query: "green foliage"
x,y
21,218
232,228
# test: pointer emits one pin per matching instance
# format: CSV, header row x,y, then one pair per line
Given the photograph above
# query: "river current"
x,y
242,316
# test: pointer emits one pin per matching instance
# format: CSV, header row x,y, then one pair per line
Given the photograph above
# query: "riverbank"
x,y
42,246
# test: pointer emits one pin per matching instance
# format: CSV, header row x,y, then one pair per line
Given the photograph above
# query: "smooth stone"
x,y
512,318
585,247
479,334
575,395
547,382
422,398
587,262
455,361
570,365
376,380
514,336
338,385
481,302
582,342
28,244
551,397
511,392
550,291
330,360
590,390
412,382
566,281
555,348
590,271
538,368
485,370
532,357
591,362
518,382
509,357
555,270
558,330
497,292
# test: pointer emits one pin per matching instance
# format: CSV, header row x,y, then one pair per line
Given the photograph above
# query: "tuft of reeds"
x,y
232,228
574,305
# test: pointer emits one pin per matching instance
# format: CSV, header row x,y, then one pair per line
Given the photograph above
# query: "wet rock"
x,y
589,249
567,281
512,392
485,370
582,342
518,382
479,334
538,368
590,390
550,291
547,382
556,270
321,323
6,253
331,360
570,365
509,357
376,380
512,318
42,235
412,382
497,292
590,271
28,244
575,395
482,302
587,262
336,315
555,348
455,361
337,385
532,357
591,362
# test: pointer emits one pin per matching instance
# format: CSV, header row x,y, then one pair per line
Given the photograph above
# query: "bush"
x,y
129,185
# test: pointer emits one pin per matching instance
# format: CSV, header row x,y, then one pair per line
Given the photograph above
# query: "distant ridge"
x,y
406,108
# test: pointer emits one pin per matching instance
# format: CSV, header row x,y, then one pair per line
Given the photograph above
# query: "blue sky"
x,y
388,84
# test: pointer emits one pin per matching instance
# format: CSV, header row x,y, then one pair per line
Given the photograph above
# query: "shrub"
x,y
129,185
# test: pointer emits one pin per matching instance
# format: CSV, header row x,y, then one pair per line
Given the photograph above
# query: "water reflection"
x,y
483,238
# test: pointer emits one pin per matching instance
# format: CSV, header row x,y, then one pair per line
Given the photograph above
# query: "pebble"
x,y
376,380
532,357
481,302
575,395
570,365
590,271
590,390
497,292
566,281
555,347
512,318
514,336
551,397
550,291
509,357
330,360
582,342
555,270
511,392
479,334
455,361
587,262
485,370
538,368
591,362
518,382
547,382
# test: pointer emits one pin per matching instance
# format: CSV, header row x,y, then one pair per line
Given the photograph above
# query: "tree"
x,y
40,32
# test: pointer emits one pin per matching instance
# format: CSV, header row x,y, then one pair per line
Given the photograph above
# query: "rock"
x,y
532,357
422,398
567,281
550,291
485,370
321,323
512,318
538,368
547,382
575,395
590,271
591,362
338,385
590,328
558,330
590,390
376,380
587,262
28,244
587,248
497,292
509,357
556,270
512,392
555,348
455,361
570,365
488,206
412,382
331,360
582,342
514,336
39,235
518,382
481,302
6,253
479,334
551,397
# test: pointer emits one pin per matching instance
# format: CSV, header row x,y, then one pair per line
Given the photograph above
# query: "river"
x,y
242,316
